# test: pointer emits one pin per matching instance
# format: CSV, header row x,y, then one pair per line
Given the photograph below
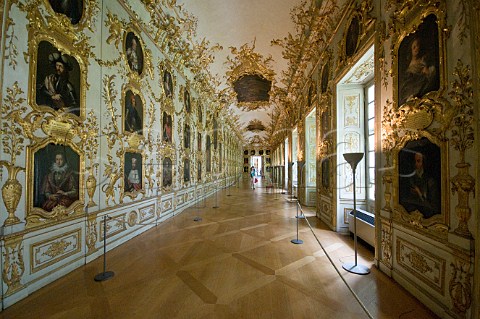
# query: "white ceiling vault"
x,y
251,24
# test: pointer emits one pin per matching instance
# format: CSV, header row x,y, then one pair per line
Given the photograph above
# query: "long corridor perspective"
x,y
233,261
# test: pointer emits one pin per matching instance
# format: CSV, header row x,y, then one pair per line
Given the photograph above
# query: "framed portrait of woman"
x,y
418,62
134,52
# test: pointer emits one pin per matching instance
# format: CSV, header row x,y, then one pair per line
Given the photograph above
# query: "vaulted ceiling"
x,y
247,64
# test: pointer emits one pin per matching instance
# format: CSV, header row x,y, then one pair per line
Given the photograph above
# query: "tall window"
x,y
370,140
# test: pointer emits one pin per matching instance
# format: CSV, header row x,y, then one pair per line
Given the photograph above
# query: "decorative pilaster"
x,y
460,287
13,266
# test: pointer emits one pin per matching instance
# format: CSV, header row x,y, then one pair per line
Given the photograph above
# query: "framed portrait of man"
x,y
186,170
134,52
199,170
326,173
167,84
351,40
418,62
186,136
56,177
420,177
167,172
200,115
167,127
133,172
133,113
186,100
208,155
58,80
325,76
73,9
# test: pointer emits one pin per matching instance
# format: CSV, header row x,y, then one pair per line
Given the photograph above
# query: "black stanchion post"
x,y
105,274
216,196
297,241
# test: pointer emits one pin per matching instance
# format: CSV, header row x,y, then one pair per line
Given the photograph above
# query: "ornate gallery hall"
x,y
234,261
158,159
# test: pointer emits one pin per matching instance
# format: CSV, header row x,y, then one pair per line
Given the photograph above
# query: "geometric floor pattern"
x,y
236,262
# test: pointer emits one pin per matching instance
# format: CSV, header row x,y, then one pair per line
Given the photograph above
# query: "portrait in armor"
x,y
58,77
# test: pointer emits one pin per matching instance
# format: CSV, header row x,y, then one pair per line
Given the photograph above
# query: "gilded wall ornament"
x,y
75,15
462,139
11,51
13,145
249,65
13,264
112,133
89,140
387,243
460,287
91,232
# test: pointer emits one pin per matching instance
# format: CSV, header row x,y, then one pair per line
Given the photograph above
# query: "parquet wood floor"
x,y
237,262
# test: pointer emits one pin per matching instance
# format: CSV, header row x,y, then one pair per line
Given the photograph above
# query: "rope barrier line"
x,y
336,269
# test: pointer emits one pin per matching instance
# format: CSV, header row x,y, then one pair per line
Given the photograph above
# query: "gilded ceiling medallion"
x,y
250,77
255,126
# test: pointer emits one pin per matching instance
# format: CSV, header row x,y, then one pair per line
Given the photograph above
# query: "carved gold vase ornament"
x,y
91,185
11,193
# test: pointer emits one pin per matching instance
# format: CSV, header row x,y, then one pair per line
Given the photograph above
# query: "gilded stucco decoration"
x,y
462,139
75,20
246,62
13,264
387,243
89,140
460,286
112,133
91,235
12,108
11,51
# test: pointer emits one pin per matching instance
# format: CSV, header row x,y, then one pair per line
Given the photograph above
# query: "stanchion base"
x,y
229,195
104,276
296,241
197,219
300,217
356,269
215,206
